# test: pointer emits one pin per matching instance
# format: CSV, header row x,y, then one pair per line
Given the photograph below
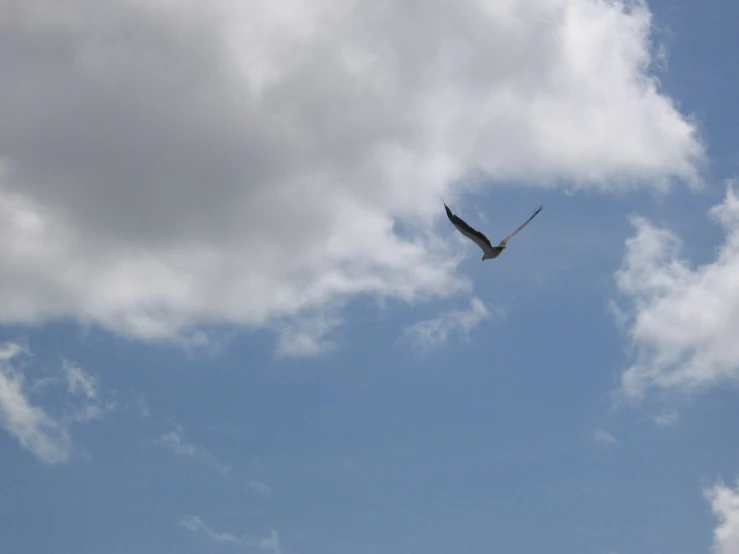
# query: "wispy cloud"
x,y
176,442
259,487
603,437
433,333
42,435
11,350
88,403
271,543
666,419
78,381
47,437
305,336
139,405
195,524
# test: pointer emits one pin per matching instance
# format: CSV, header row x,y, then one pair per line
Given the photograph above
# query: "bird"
x,y
489,251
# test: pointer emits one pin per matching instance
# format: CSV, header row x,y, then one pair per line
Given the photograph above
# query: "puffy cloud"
x,y
725,504
683,320
174,164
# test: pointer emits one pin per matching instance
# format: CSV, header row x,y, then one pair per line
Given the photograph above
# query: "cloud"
x,y
604,438
725,505
235,163
84,387
11,350
434,333
259,487
39,433
667,419
195,524
268,544
306,335
271,543
683,320
47,436
139,405
78,381
176,442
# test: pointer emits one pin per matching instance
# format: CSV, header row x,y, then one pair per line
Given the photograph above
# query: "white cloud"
x,y
79,381
725,504
45,437
233,162
683,320
195,524
11,350
259,487
271,543
176,442
267,544
306,335
433,333
605,438
139,405
667,419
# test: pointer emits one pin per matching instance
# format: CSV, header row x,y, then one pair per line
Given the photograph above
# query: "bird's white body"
x,y
491,253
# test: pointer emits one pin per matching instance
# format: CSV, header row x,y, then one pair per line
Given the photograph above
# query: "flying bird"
x,y
489,251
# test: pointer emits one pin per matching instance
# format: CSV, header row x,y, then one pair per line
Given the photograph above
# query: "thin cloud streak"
x,y
269,544
434,333
604,438
176,442
46,436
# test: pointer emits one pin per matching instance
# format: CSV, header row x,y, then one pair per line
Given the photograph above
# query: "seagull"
x,y
489,251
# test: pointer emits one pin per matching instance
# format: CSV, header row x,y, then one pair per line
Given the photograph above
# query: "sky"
x,y
235,318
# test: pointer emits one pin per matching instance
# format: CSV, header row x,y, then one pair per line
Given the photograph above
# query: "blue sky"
x,y
191,369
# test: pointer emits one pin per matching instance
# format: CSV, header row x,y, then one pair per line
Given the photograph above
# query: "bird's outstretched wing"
x,y
473,234
525,223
